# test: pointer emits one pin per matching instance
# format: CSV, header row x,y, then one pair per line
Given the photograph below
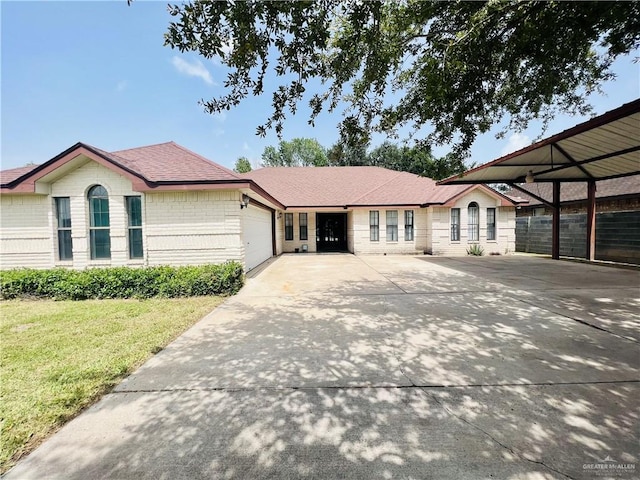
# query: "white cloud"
x,y
246,147
515,143
227,48
122,84
195,69
218,132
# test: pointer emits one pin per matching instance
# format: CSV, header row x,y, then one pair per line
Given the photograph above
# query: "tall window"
x,y
134,214
473,213
408,225
63,215
491,223
304,230
392,225
374,226
288,226
455,224
99,237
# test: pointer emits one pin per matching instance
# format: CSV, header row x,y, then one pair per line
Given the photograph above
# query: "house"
x,y
617,219
163,204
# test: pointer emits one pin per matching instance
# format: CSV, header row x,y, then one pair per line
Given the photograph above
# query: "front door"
x,y
331,232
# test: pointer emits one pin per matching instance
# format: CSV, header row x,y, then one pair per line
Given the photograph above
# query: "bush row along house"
x,y
163,204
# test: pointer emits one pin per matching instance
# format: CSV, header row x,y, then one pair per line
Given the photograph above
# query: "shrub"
x,y
475,250
122,282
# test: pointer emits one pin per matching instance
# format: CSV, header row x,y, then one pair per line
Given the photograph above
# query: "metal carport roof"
x,y
607,146
604,147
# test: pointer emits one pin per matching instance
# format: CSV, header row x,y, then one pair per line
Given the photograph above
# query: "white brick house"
x,y
163,204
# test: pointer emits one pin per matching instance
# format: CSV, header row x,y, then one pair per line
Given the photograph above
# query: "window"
x,y
134,214
99,237
392,225
63,215
288,226
304,231
408,225
491,223
374,226
473,212
455,224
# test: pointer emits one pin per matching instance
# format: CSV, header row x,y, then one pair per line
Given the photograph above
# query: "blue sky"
x,y
98,72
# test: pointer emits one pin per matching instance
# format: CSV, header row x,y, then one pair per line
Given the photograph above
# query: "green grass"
x,y
56,358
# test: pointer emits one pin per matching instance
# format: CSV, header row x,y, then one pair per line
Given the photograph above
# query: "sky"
x,y
98,73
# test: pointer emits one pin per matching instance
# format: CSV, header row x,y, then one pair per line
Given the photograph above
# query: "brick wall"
x,y
617,235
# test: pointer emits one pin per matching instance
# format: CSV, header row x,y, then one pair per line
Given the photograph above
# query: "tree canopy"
x,y
417,159
457,67
243,165
299,152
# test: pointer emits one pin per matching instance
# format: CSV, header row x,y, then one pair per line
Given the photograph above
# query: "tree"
x,y
460,67
243,165
295,153
299,152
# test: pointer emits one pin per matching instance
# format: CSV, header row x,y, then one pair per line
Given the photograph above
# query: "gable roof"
x,y
148,167
573,192
169,166
360,186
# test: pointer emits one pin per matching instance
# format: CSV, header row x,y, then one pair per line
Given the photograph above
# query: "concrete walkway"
x,y
336,366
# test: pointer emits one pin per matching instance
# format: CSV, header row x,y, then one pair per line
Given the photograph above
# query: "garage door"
x,y
257,236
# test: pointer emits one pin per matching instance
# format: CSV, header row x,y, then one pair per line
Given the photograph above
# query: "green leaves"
x,y
299,152
243,165
458,67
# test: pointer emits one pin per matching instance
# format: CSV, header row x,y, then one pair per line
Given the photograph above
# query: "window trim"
x,y
92,228
303,227
409,227
61,230
131,228
391,227
473,229
455,226
374,225
491,227
288,228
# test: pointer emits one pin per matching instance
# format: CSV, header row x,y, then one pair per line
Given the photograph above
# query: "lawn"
x,y
56,358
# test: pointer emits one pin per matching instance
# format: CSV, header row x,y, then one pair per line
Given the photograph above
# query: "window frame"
x,y
374,225
455,225
303,226
409,227
473,227
99,229
392,228
491,227
133,229
63,233
288,227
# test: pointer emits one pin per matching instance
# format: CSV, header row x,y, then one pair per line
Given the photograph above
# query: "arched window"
x,y
473,216
99,237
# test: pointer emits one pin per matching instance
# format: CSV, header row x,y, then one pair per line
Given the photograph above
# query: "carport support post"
x,y
555,225
591,220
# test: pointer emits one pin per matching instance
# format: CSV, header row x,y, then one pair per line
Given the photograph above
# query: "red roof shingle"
x,y
576,191
353,186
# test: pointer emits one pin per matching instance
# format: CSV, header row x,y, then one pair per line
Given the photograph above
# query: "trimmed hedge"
x,y
122,282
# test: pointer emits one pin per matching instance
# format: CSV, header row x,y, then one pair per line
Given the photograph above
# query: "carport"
x,y
605,147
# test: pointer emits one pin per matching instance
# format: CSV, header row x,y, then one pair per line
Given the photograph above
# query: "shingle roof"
x,y
171,162
576,191
353,186
12,174
164,162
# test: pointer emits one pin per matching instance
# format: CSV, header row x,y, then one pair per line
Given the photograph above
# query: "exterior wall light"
x,y
529,178
244,203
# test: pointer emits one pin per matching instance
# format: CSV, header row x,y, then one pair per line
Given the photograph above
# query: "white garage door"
x,y
257,236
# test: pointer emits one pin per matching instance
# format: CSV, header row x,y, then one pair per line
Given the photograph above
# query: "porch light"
x,y
244,203
529,178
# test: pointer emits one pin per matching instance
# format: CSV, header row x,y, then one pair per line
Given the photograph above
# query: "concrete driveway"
x,y
336,366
